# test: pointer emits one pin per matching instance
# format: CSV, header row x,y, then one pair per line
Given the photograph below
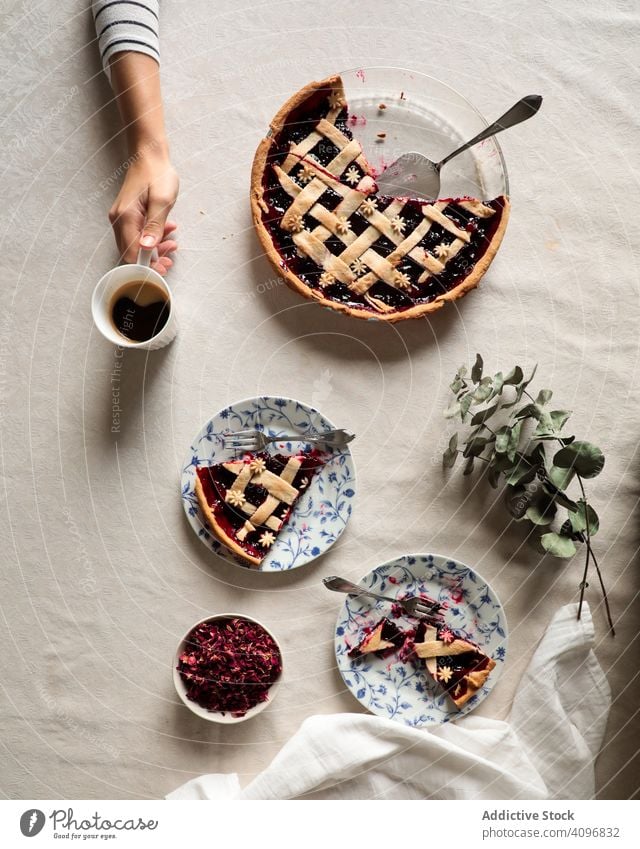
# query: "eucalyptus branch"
x,y
536,482
591,554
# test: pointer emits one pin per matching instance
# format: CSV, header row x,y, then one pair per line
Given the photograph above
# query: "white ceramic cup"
x,y
102,299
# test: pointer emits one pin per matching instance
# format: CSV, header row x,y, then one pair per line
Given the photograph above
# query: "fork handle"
x,y
336,438
341,585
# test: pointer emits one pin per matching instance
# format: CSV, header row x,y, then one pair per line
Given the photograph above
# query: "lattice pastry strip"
x,y
278,487
349,150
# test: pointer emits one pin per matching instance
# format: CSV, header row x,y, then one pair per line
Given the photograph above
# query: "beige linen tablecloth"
x,y
101,574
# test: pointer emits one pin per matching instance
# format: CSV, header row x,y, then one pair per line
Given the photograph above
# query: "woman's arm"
x,y
128,39
150,188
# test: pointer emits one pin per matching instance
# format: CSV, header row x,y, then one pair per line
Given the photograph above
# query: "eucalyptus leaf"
x,y
453,442
453,410
484,390
482,415
529,411
449,458
474,447
515,376
542,512
557,545
560,477
468,466
502,439
476,371
579,519
559,418
566,440
504,463
563,500
543,397
538,456
498,383
518,501
465,403
544,428
585,458
522,473
514,440
531,376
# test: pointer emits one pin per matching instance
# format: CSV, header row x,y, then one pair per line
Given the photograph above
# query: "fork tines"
x,y
431,612
246,440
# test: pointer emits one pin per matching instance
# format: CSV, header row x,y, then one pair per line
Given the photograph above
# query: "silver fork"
x,y
255,440
412,606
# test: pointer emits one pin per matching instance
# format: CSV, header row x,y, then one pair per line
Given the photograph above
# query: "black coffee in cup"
x,y
139,310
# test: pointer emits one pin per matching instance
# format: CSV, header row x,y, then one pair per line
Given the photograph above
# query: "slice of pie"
x,y
380,640
247,502
335,239
456,664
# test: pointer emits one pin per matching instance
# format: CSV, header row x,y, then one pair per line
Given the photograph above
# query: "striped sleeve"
x,y
126,25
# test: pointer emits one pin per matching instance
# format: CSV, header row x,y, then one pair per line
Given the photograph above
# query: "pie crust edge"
x,y
218,531
475,681
293,281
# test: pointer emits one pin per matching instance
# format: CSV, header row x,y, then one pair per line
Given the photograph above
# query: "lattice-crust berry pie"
x,y
335,239
248,501
456,664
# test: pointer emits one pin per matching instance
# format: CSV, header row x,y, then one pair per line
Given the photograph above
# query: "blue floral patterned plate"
x,y
321,514
404,691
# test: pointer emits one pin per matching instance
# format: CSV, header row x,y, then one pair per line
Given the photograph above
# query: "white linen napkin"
x,y
546,750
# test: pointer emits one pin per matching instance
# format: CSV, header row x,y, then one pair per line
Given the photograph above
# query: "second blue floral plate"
x,y
320,515
401,690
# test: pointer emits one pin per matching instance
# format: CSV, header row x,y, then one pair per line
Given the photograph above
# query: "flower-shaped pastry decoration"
x,y
442,251
401,280
447,636
257,465
305,173
343,225
327,279
296,223
235,498
358,267
444,674
267,539
398,224
352,176
368,207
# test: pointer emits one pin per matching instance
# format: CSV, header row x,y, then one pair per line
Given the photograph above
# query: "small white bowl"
x,y
216,716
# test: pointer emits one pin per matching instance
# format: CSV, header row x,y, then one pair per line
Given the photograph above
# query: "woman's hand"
x,y
139,213
150,188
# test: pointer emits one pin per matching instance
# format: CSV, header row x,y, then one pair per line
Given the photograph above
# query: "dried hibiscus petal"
x,y
229,665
